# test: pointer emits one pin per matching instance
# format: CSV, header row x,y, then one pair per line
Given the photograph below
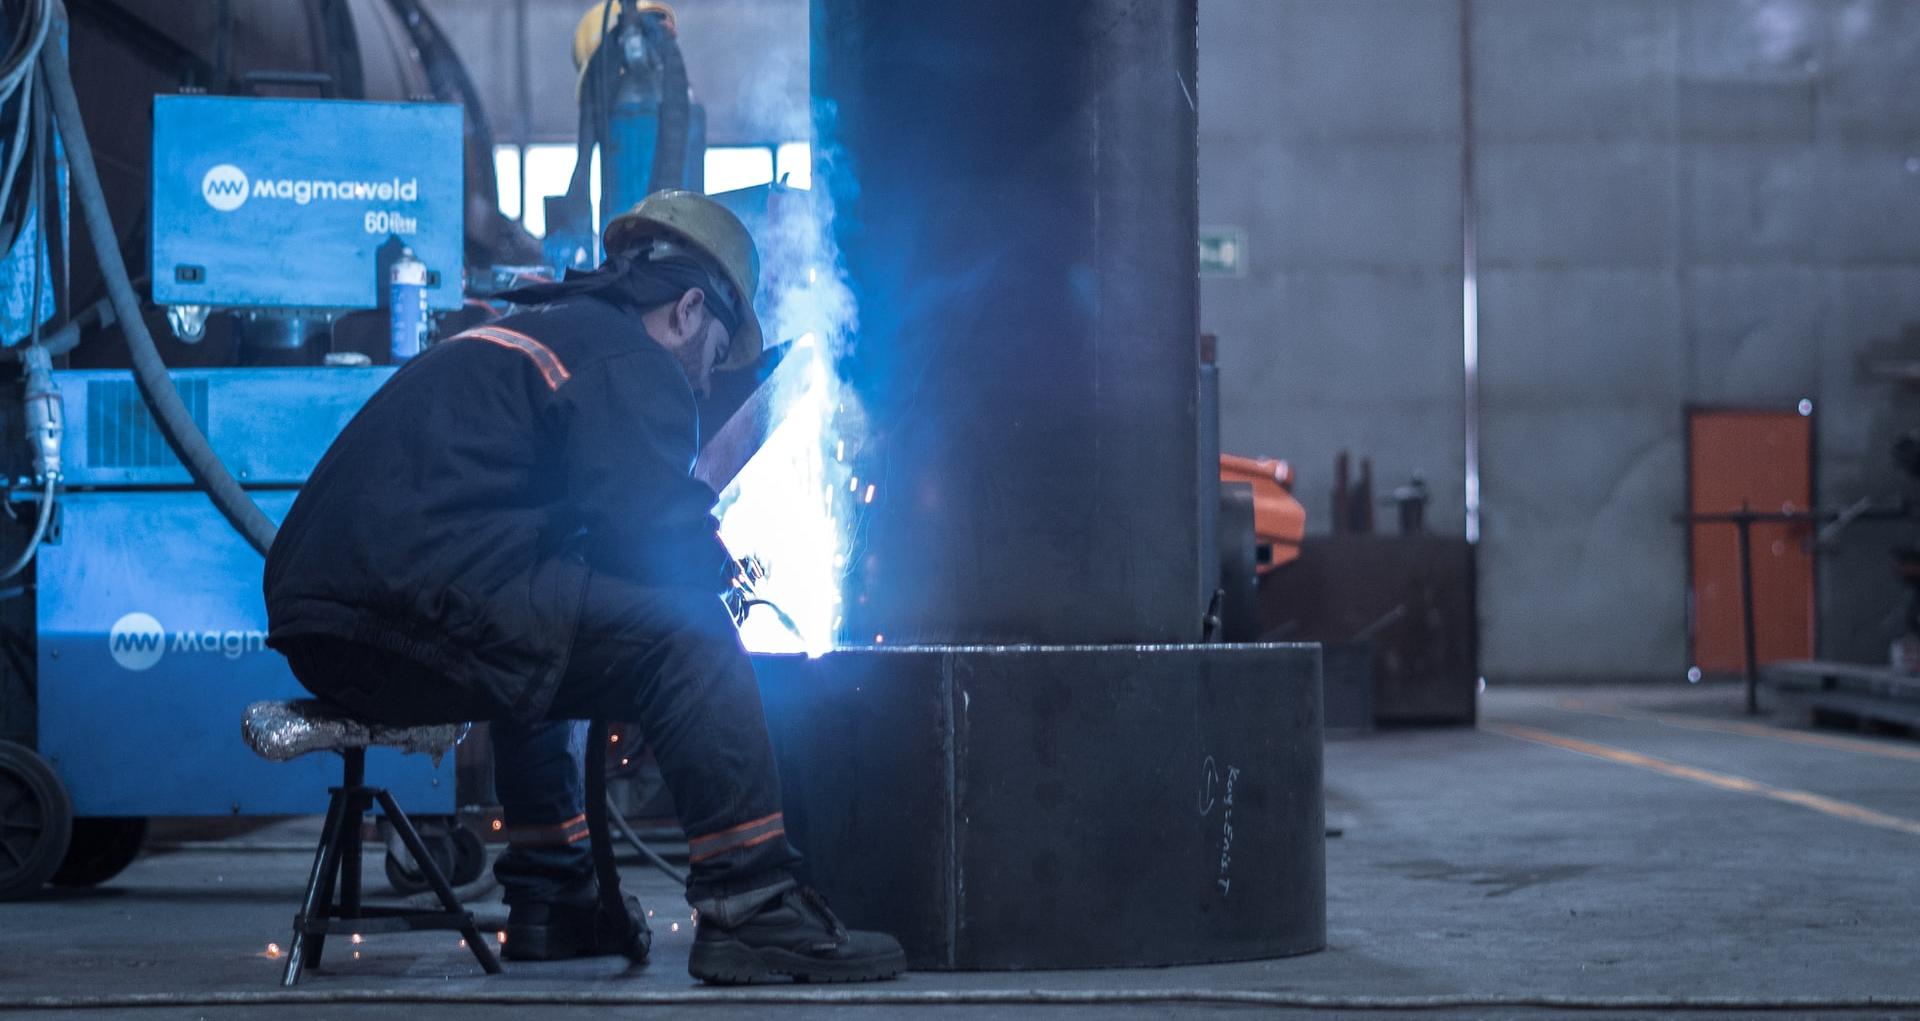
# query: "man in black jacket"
x,y
508,531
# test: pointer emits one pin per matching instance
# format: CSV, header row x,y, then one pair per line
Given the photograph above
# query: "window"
x,y
506,170
549,166
730,168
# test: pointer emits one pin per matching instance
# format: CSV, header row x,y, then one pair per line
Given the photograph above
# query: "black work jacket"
x,y
456,519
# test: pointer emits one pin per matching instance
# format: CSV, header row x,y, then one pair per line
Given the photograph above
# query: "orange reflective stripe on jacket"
x,y
549,364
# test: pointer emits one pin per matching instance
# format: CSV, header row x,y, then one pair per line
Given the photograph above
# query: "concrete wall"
x,y
1713,201
1331,133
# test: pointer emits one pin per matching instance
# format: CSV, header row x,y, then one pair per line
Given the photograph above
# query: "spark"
x,y
498,825
766,512
792,505
273,950
358,939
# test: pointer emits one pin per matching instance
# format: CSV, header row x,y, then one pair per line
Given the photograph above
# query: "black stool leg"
x,y
358,804
347,843
326,859
418,848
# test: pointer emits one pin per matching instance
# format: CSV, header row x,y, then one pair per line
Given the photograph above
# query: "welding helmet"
x,y
712,231
600,19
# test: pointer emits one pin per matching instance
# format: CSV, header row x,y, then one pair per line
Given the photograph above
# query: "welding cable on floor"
x,y
653,857
881,997
170,413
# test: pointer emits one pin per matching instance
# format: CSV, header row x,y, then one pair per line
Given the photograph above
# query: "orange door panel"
x,y
1764,460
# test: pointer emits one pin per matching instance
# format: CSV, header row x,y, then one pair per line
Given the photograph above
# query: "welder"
x,y
508,531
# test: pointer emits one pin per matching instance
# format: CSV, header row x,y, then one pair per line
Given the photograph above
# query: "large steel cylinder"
x,y
1014,186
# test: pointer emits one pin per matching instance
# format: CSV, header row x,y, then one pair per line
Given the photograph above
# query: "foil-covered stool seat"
x,y
281,731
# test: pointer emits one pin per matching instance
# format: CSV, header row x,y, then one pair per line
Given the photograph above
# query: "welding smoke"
x,y
794,505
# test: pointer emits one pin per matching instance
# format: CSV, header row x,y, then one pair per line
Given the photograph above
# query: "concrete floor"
x,y
1583,849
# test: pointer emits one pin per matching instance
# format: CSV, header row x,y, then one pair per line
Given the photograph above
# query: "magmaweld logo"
x,y
225,187
137,641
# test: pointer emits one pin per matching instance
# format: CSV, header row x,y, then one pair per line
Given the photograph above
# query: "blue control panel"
x,y
287,203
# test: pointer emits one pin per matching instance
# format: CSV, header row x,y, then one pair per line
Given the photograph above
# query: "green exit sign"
x,y
1223,252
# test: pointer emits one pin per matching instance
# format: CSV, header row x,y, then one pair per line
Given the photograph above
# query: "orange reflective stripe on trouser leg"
x,y
737,838
558,834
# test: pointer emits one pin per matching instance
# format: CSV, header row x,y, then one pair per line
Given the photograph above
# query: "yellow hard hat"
x,y
599,20
711,229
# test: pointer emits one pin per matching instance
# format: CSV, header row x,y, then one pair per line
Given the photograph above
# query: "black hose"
x,y
594,94
63,340
39,532
670,137
149,371
28,39
16,79
42,228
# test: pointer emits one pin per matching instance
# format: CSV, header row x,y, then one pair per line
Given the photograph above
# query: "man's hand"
x,y
742,575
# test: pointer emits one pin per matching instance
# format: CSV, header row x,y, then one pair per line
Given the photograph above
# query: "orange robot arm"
x,y
1279,520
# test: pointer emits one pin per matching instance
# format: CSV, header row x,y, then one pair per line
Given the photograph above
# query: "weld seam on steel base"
x,y
1050,997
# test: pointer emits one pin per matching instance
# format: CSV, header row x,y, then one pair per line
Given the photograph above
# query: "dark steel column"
x,y
1016,201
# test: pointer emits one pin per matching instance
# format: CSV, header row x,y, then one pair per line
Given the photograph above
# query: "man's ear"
x,y
683,310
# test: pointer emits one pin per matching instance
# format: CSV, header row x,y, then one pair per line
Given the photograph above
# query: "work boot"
x,y
557,930
795,935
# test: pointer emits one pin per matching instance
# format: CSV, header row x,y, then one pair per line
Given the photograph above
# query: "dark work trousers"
x,y
666,660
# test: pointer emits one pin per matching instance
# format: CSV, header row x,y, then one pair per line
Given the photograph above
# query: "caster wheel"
x,y
36,821
102,848
405,877
469,856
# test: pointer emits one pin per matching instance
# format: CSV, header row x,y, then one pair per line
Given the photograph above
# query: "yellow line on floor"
x,y
1834,741
1724,781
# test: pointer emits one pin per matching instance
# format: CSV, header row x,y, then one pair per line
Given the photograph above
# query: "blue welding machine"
x,y
150,612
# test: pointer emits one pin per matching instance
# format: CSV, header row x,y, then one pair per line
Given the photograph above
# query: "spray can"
x,y
407,306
